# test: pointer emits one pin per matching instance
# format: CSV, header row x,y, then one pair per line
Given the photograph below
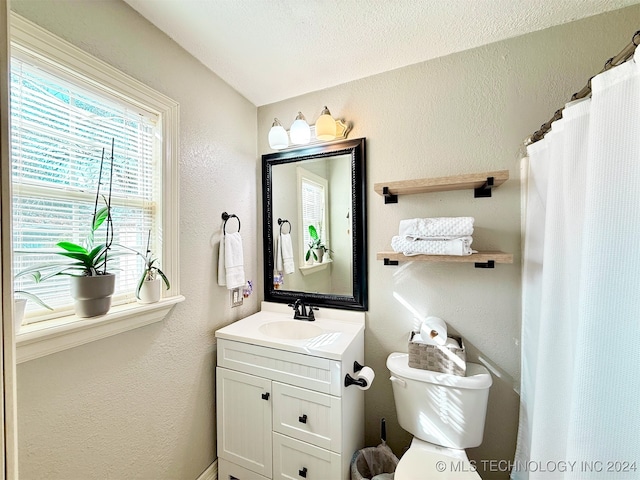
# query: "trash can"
x,y
377,463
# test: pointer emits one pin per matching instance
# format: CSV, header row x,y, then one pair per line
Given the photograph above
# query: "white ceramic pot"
x,y
150,291
92,295
319,254
19,304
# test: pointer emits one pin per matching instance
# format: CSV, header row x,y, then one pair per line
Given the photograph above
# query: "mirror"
x,y
314,225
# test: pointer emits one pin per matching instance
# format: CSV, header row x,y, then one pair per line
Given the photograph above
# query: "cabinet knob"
x,y
265,396
303,472
303,418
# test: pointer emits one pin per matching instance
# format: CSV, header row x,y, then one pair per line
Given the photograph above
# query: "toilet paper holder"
x,y
349,380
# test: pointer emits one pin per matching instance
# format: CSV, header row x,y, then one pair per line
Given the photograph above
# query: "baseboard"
x,y
211,473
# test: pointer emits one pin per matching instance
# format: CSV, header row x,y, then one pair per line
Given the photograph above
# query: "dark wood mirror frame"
x,y
356,150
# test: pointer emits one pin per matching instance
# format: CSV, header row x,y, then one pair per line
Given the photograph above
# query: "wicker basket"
x,y
449,359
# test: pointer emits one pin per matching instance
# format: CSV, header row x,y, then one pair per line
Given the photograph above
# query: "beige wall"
x,y
468,112
140,405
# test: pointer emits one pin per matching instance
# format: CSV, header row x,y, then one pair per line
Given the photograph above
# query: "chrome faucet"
x,y
300,311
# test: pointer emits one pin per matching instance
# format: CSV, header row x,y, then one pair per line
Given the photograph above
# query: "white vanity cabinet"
x,y
285,414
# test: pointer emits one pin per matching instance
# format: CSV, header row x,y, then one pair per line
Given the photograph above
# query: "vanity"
x,y
283,410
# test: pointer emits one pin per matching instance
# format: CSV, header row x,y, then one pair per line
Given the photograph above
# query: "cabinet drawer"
x,y
314,373
308,416
293,459
231,471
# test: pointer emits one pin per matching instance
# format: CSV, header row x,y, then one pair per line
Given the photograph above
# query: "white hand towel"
x,y
279,262
436,228
233,260
286,250
222,272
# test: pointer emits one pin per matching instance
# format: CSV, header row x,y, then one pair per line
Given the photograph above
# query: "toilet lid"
x,y
418,464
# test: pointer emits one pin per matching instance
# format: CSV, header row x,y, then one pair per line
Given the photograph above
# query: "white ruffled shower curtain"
x,y
580,390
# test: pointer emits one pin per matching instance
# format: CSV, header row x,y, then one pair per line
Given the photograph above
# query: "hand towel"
x,y
222,272
233,260
444,228
286,250
279,261
457,246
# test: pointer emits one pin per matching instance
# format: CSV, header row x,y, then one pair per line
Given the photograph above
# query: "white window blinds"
x,y
59,128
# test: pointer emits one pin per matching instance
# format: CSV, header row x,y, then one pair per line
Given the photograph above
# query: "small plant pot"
x,y
19,304
150,291
319,254
92,295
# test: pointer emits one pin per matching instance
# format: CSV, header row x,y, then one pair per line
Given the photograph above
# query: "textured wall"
x,y
468,112
140,405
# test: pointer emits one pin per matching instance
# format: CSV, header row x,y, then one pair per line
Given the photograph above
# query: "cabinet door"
x,y
296,460
308,416
243,404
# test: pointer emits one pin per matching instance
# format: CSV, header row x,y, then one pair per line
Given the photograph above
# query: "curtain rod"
x,y
620,58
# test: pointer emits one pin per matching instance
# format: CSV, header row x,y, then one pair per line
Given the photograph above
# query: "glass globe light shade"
x,y
325,126
300,131
278,138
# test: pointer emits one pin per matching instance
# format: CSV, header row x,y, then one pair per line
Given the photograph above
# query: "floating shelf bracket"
x,y
488,264
390,262
485,190
389,197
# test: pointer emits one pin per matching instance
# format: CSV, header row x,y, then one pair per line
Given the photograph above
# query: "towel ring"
x,y
225,217
282,222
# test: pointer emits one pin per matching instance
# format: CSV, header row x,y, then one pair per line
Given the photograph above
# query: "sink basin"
x,y
290,329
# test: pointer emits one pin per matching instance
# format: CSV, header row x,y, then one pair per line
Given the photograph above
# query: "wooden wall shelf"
x,y
481,183
481,259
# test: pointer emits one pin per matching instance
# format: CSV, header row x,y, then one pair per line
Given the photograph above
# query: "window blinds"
x,y
58,131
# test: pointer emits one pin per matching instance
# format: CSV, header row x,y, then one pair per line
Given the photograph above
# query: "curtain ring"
x,y
225,217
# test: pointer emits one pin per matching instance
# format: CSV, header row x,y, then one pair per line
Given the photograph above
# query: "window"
x,y
313,192
66,107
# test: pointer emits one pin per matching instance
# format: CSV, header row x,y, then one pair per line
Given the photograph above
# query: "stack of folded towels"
x,y
434,236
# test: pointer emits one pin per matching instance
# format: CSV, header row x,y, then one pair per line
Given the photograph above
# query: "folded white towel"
x,y
286,248
233,260
222,272
457,246
436,228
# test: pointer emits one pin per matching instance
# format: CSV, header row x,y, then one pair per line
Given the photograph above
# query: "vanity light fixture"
x,y
278,138
300,131
325,126
326,129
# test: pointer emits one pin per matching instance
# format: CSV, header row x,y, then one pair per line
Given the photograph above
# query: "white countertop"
x,y
338,329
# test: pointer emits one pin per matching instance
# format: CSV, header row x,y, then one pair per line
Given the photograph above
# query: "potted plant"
x,y
19,304
317,249
149,287
91,285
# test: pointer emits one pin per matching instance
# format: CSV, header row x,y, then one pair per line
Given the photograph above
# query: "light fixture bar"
x,y
342,130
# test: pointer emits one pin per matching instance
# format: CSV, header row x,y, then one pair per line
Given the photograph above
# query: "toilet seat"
x,y
425,461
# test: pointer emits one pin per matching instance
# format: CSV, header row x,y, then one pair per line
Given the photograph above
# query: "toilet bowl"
x,y
445,414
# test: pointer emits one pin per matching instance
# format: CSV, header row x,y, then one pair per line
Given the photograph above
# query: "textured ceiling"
x,y
269,50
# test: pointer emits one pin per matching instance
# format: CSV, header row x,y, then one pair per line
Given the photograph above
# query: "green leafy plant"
x,y
30,296
151,270
315,244
81,260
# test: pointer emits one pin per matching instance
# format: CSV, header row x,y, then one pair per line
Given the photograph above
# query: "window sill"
x,y
50,336
316,267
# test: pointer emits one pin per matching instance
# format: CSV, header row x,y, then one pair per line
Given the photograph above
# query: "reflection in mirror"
x,y
314,225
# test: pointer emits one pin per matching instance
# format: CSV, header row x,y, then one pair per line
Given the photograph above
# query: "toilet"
x,y
444,413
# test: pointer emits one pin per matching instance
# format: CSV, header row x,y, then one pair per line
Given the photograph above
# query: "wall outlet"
x,y
236,297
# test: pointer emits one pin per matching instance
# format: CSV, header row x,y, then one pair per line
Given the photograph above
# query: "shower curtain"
x,y
580,388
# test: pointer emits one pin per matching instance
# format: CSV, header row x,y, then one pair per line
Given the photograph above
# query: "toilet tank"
x,y
439,408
